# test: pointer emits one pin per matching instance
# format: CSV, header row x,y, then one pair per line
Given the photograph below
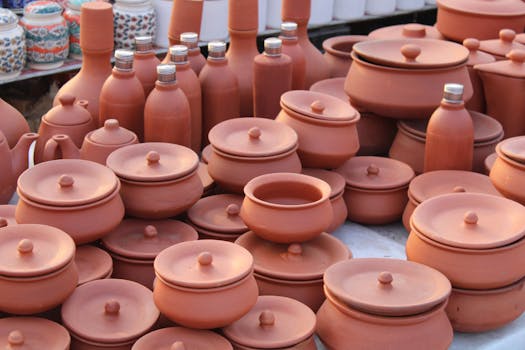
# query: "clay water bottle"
x,y
292,48
220,90
145,63
195,57
272,77
167,115
450,134
122,95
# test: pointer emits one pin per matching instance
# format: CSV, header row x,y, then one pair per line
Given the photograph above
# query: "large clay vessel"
x,y
145,63
292,48
12,123
186,16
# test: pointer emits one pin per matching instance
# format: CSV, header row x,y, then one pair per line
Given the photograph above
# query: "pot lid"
x,y
109,311
173,338
318,105
514,67
406,31
514,148
42,8
32,333
204,175
470,220
203,264
7,212
333,87
252,137
68,113
206,153
296,261
475,55
503,45
275,322
412,53
335,180
219,213
31,250
387,287
67,182
145,239
92,263
7,17
112,134
375,173
489,8
153,161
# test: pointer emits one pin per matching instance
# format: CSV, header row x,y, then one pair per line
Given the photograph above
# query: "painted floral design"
x,y
129,24
12,53
46,43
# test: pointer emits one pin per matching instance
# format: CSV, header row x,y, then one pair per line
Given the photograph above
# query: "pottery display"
x,y
186,16
380,7
132,19
12,124
145,63
12,45
406,31
337,53
72,17
32,333
476,56
214,23
195,57
507,173
181,338
346,10
92,264
291,48
499,48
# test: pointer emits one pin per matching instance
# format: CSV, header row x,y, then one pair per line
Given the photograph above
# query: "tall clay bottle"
x,y
167,115
220,90
298,11
450,134
191,86
242,26
197,60
96,42
186,16
145,63
122,95
292,48
272,77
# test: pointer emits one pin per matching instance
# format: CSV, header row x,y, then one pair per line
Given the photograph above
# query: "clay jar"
x,y
369,298
376,189
287,207
38,271
337,53
508,172
77,196
477,102
294,270
92,264
159,180
499,48
181,338
244,148
325,125
134,244
204,284
12,124
406,31
108,314
32,333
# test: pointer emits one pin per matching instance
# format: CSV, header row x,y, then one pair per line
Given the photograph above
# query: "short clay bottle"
x,y
220,90
190,85
195,57
122,95
450,134
272,77
292,48
145,63
167,116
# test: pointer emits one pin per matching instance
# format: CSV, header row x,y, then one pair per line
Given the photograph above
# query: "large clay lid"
x,y
475,55
333,87
109,311
67,182
335,180
318,105
514,148
31,250
490,8
375,173
179,338
388,287
252,137
219,213
203,264
32,333
470,220
145,239
406,31
92,264
296,261
153,161
514,67
68,113
275,322
503,45
112,134
7,212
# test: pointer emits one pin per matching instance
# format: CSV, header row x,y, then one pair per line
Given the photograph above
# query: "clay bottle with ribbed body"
x,y
292,48
145,63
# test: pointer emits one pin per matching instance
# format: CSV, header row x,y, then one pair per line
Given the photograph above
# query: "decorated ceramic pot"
x,y
182,338
12,45
133,18
72,17
92,264
32,333
508,171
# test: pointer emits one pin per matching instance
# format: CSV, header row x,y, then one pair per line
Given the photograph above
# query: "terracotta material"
x,y
92,263
186,16
507,173
207,181
181,338
489,162
195,57
337,53
406,31
31,333
12,124
7,212
206,154
145,63
499,48
292,49
476,56
238,18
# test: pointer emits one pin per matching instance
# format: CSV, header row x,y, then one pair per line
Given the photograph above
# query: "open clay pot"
x,y
179,338
32,333
508,172
499,48
337,53
92,263
287,207
376,189
406,31
159,180
135,244
275,322
204,284
476,56
368,298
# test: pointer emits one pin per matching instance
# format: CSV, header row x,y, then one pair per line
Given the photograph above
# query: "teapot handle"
x,y
51,149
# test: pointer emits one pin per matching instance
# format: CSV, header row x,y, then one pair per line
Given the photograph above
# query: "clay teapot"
x,y
12,124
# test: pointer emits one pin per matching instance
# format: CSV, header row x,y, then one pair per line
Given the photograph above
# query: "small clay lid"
x,y
92,264
318,105
7,17
476,56
153,161
109,311
502,46
514,148
7,212
470,220
406,31
297,261
252,137
275,322
499,8
203,264
67,182
335,180
179,338
68,112
333,87
375,173
32,250
112,134
204,175
42,8
32,333
514,67
219,213
387,287
145,239
206,153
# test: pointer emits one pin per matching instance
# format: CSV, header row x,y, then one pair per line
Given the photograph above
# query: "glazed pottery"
x,y
186,16
499,48
489,162
132,19
7,213
204,284
12,44
77,196
345,10
507,173
406,31
32,333
476,56
92,264
380,7
292,49
72,17
214,24
145,63
195,57
38,268
337,53
181,338
12,124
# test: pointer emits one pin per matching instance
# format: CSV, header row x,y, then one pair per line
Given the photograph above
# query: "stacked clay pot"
x,y
508,171
92,263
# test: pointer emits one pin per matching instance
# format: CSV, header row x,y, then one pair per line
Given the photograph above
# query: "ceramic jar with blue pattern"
x,y
133,18
12,45
72,16
47,37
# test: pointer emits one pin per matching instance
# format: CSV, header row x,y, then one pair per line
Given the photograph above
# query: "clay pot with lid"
x,y
159,180
181,338
499,48
406,31
92,264
337,53
476,56
325,125
244,148
371,298
135,244
508,172
204,284
77,196
32,333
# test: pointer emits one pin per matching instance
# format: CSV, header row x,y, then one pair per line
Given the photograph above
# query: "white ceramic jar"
x,y
214,25
12,45
321,12
380,7
132,18
408,5
273,14
349,9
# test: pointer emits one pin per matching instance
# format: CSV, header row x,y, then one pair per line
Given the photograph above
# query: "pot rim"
x,y
210,233
266,158
287,282
318,121
129,259
205,290
439,4
38,277
159,183
328,44
492,291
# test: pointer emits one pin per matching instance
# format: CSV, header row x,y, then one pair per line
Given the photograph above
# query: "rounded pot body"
x,y
481,152
340,213
409,149
13,47
508,177
83,344
140,271
99,152
132,19
409,210
376,134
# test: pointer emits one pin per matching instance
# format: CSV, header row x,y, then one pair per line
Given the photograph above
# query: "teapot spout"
x,y
20,153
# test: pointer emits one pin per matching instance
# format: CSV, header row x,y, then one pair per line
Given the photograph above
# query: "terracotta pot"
x,y
489,162
206,154
7,213
32,333
476,56
145,63
292,49
92,264
13,124
507,173
186,16
175,336
337,53
207,181
501,47
406,31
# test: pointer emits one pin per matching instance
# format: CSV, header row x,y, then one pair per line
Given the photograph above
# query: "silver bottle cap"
x,y
124,60
143,43
289,30
272,46
166,72
453,93
216,49
179,54
189,39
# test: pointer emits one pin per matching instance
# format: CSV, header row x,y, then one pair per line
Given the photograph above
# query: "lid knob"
x,y
516,56
67,99
372,169
266,318
507,35
414,30
111,124
3,222
232,209
471,43
15,338
410,51
150,231
385,278
178,345
66,181
459,189
295,249
25,246
205,258
317,107
470,218
153,157
254,133
112,307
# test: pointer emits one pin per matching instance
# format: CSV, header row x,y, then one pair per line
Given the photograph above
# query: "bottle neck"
x,y
217,61
122,74
242,40
288,40
166,85
96,62
452,104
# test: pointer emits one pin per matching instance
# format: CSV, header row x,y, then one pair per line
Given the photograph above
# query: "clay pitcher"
x,y
12,123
